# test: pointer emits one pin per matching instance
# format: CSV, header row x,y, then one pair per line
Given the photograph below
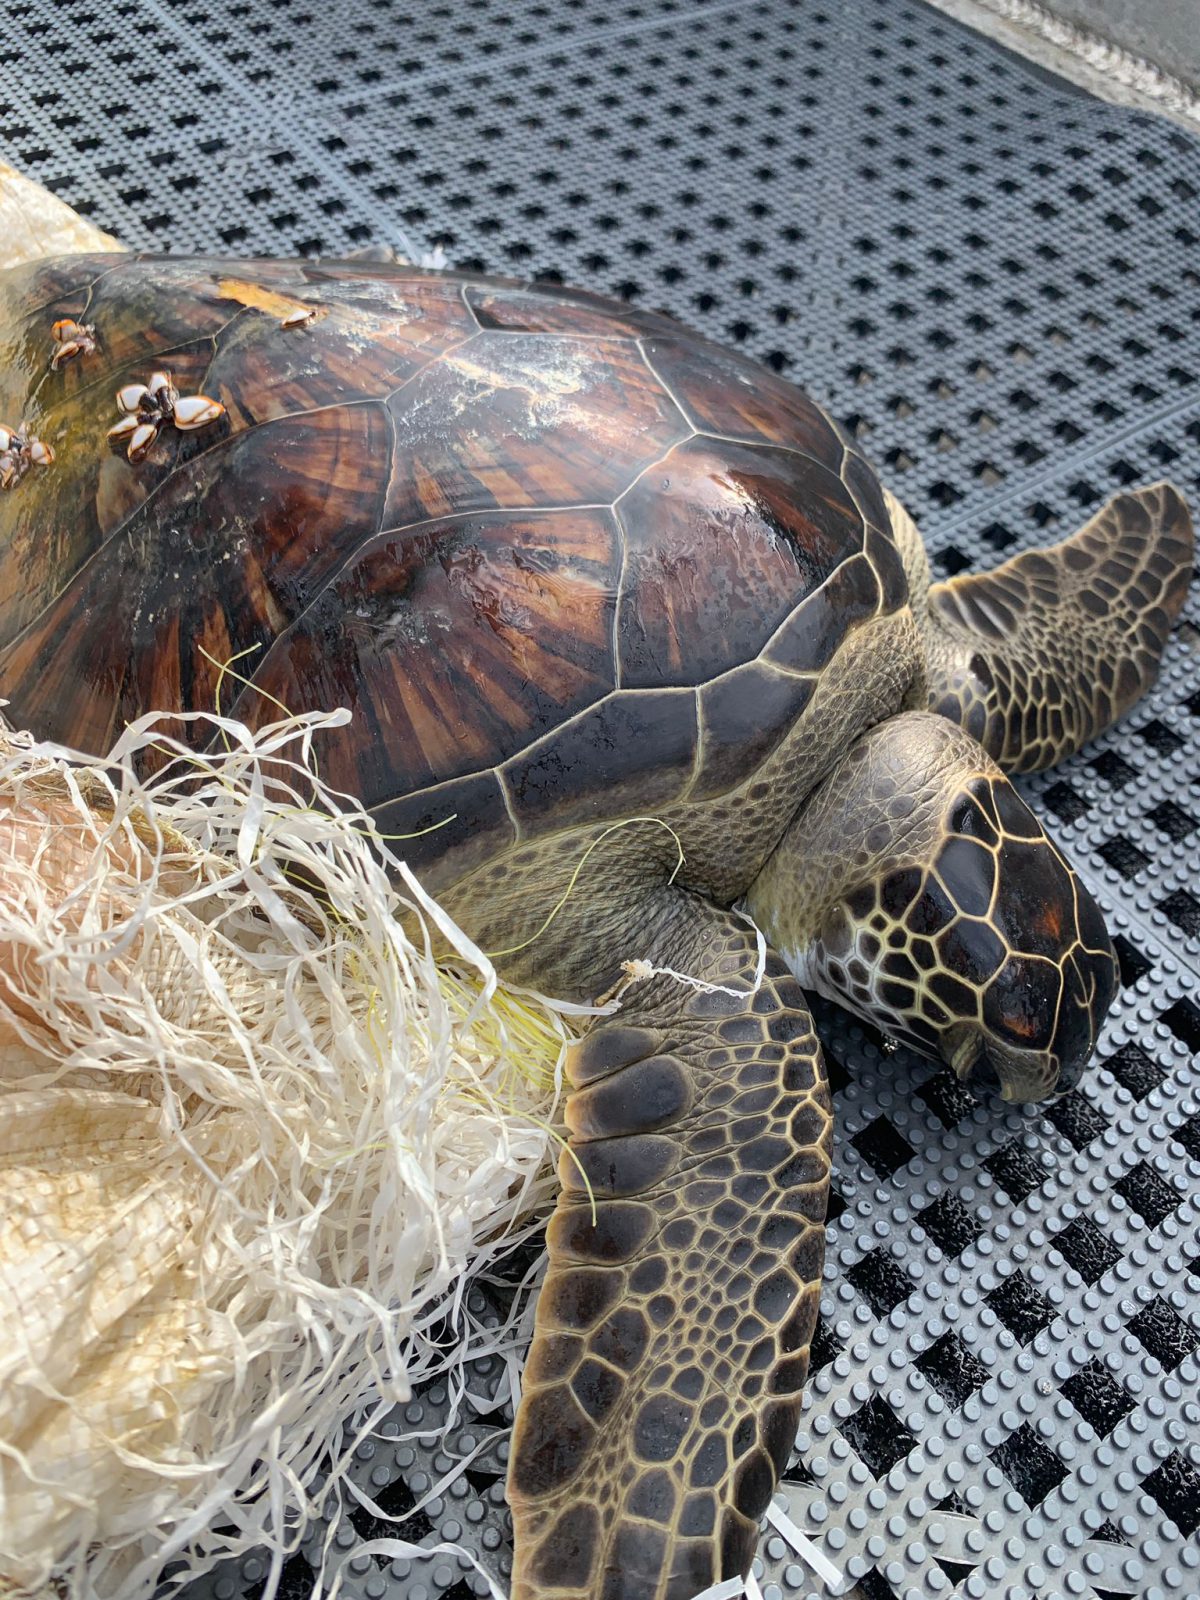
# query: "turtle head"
x,y
990,953
919,891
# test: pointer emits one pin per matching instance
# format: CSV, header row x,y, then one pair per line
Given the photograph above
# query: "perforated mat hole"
x,y
1067,432
485,1484
1164,741
1188,1135
1164,1333
296,1581
1083,492
883,1147
1165,454
1171,819
955,1504
1016,1169
1123,856
998,535
1085,1247
1133,963
944,494
1175,1487
1021,1307
1183,909
1030,1466
825,1347
879,1280
1183,1019
856,425
1099,1399
394,1501
874,1585
878,1436
1067,804
1115,771
1135,1071
950,1224
955,1571
836,1069
1077,1119
951,560
951,1368
948,1099
1150,1195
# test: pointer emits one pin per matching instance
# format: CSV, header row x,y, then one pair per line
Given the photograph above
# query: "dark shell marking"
x,y
534,541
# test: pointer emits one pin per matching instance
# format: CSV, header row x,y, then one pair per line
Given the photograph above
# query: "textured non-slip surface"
x,y
995,283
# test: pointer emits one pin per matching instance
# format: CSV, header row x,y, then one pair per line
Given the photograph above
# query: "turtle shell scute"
x,y
725,541
542,308
233,546
456,645
564,560
514,420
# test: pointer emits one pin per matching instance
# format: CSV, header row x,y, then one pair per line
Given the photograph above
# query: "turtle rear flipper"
x,y
1048,650
662,1392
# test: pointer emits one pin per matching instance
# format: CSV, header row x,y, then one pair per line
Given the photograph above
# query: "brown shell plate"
x,y
547,549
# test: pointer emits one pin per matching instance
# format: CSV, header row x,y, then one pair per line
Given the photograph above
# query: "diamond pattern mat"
x,y
994,282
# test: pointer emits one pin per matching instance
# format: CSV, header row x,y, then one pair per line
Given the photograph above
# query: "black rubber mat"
x,y
994,282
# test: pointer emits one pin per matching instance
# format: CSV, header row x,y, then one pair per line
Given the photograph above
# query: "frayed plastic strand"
x,y
640,970
727,1589
254,1145
804,1547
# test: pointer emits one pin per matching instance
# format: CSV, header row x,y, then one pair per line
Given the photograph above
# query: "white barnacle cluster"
x,y
146,408
19,450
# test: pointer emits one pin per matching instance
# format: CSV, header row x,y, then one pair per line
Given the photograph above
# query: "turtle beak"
x,y
988,1066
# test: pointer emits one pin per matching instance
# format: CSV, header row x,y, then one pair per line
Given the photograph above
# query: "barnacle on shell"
x,y
19,451
147,408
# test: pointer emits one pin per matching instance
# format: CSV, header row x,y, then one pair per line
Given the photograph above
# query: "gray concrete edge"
x,y
1080,55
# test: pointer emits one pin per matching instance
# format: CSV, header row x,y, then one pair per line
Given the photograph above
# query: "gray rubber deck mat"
x,y
994,282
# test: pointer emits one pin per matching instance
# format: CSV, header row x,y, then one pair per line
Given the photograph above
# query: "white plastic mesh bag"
x,y
250,1136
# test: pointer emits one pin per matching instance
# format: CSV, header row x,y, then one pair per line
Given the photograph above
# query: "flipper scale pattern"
x,y
1042,654
662,1394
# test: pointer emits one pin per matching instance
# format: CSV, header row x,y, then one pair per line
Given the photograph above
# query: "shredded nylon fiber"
x,y
251,1137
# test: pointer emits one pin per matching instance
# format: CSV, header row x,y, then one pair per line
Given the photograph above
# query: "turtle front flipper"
x,y
1040,655
662,1392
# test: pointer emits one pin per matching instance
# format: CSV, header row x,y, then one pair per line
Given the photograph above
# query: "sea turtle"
x,y
651,672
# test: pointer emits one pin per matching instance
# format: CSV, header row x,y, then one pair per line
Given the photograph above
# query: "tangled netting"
x,y
255,1142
